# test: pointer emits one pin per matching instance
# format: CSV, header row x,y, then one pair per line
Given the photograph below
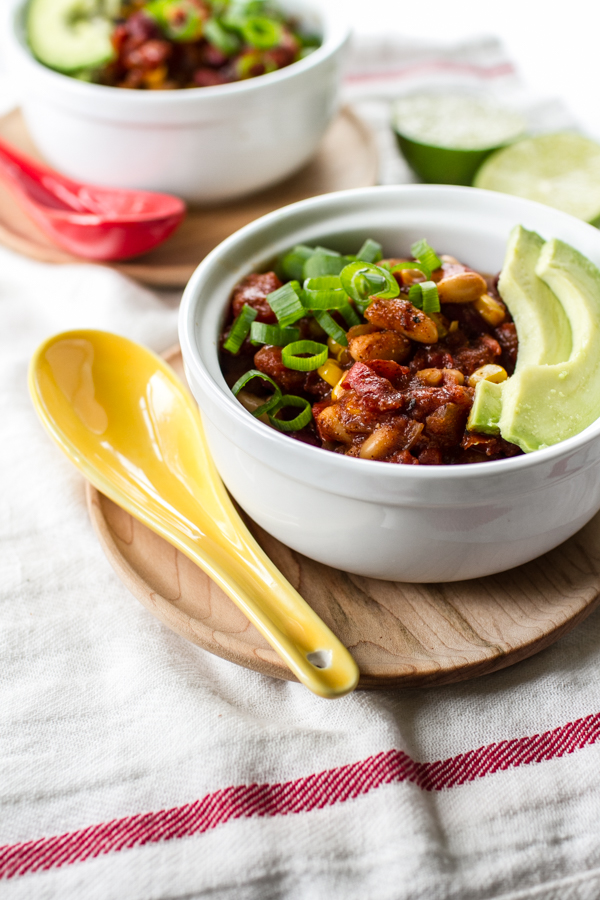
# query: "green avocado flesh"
x,y
548,399
69,35
487,408
536,312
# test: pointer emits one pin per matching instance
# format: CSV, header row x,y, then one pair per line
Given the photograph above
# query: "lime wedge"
x,y
445,137
560,170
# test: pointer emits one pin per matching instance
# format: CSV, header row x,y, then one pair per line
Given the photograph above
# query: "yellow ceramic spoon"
x,y
124,418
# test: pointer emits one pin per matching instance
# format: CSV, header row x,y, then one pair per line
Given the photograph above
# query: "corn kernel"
x,y
495,374
330,372
338,390
155,78
337,350
441,323
490,309
453,327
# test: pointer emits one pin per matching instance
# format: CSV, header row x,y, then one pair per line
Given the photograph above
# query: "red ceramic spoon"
x,y
93,222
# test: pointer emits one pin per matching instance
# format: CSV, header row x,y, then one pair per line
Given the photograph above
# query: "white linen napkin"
x,y
135,766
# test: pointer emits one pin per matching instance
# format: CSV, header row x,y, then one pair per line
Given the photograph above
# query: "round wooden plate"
x,y
347,158
399,634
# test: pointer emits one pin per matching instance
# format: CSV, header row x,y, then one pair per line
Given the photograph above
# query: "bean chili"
x,y
174,44
401,386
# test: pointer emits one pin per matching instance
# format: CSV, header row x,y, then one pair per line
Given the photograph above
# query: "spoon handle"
x,y
241,568
314,654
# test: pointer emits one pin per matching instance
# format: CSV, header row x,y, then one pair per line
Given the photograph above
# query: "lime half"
x,y
560,170
445,137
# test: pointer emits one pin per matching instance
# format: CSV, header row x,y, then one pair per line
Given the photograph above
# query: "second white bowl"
x,y
203,144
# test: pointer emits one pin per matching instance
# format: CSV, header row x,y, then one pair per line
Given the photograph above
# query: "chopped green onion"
x,y
293,262
290,358
180,20
370,251
220,38
424,253
424,295
412,264
271,403
240,329
362,280
326,250
349,314
247,62
260,333
285,303
299,422
331,327
324,292
309,40
262,33
323,264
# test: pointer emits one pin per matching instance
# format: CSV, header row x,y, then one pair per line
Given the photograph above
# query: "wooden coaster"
x,y
347,158
399,634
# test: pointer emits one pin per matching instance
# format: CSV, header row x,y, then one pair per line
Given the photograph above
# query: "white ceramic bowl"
x,y
203,144
410,523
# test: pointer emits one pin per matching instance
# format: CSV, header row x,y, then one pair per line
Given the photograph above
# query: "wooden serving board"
x,y
346,158
399,634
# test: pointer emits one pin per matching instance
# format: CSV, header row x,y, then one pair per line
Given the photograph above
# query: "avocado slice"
x,y
487,408
70,35
543,404
542,324
533,306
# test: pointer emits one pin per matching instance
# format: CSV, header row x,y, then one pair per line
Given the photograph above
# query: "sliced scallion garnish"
x,y
412,264
293,262
331,327
426,255
424,295
326,250
290,358
240,329
260,333
349,314
224,40
285,303
323,264
301,420
261,32
370,251
271,403
362,281
324,292
180,20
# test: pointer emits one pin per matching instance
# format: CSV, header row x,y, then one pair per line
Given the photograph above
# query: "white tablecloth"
x,y
134,765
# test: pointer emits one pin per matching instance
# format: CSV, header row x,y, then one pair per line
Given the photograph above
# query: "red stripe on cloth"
x,y
435,65
303,795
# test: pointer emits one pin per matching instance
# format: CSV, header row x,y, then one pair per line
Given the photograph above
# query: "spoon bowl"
x,y
93,222
124,419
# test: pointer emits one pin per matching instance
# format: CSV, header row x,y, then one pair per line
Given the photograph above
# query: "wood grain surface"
x,y
346,158
399,634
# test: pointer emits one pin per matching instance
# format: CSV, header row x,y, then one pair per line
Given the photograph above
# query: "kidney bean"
x,y
253,290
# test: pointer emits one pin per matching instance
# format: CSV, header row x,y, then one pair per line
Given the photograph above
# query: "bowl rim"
x,y
305,453
336,32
